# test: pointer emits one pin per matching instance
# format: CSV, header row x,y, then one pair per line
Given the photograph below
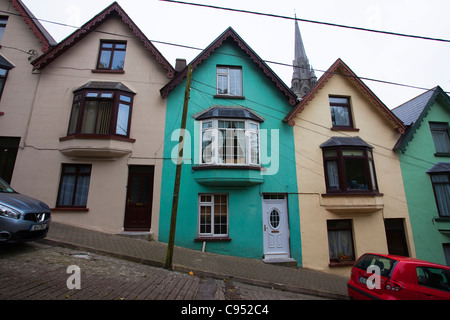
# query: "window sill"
x,y
69,209
212,239
97,136
442,154
228,175
344,129
226,96
108,71
345,263
350,194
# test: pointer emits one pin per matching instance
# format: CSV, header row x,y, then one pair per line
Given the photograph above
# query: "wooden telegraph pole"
x,y
176,190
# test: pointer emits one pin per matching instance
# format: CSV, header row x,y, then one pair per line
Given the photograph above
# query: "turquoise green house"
x,y
238,189
424,152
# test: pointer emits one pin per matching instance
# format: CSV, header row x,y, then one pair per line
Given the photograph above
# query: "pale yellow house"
x,y
351,194
22,39
94,141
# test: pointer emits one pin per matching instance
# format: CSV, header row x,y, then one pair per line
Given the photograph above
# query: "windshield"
x,y
5,188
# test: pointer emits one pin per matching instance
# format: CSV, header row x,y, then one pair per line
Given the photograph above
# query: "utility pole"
x,y
176,190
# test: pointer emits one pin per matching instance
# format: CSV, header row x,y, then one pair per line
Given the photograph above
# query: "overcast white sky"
x,y
421,63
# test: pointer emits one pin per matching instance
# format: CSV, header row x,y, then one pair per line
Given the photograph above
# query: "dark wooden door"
x,y
138,209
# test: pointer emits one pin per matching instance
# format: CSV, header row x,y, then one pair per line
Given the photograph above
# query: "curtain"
x,y
333,175
66,191
340,243
442,191
239,146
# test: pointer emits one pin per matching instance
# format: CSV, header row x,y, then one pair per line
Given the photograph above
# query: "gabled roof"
x,y
340,68
415,110
231,35
114,10
38,29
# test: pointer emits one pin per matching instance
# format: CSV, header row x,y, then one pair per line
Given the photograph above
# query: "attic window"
x,y
111,56
229,81
341,114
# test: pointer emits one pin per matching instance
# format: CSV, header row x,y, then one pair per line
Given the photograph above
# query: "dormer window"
x,y
229,136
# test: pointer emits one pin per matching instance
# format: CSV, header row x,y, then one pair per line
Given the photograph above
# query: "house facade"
x,y
22,39
238,192
424,153
95,135
351,195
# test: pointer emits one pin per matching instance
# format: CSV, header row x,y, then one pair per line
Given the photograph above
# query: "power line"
x,y
309,21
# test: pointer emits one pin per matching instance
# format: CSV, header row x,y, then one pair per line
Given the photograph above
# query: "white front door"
x,y
276,227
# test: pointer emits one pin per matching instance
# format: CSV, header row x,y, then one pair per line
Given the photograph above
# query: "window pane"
x,y
333,175
89,117
254,148
105,59
74,118
207,146
439,132
222,84
66,190
82,191
338,100
236,82
355,173
122,119
118,60
441,188
104,117
340,116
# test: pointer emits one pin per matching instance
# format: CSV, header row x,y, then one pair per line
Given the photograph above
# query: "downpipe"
x,y
4,236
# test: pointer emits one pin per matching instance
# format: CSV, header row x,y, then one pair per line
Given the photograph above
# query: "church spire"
x,y
304,77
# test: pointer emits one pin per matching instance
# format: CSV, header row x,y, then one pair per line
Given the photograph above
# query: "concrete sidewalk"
x,y
250,271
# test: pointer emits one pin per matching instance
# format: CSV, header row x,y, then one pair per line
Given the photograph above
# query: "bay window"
x,y
229,142
101,112
349,168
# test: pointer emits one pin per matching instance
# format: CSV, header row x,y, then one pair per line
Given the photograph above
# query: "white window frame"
x,y
233,90
211,204
210,128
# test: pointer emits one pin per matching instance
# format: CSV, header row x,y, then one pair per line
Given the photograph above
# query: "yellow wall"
x,y
312,128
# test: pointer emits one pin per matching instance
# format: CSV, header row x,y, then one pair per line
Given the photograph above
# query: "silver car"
x,y
21,218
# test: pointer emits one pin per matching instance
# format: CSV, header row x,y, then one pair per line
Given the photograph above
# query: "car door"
x,y
433,283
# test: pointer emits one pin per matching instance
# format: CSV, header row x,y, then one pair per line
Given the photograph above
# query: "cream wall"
x,y
17,40
39,163
312,128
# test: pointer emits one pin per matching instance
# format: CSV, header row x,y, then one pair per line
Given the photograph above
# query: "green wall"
x,y
417,159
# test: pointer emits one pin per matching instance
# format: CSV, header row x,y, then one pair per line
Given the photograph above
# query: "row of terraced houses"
x,y
313,173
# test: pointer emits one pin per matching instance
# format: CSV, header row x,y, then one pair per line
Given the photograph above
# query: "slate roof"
x,y
415,110
235,112
345,142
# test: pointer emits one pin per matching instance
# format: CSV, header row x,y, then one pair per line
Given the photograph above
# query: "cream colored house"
x,y
351,194
22,38
94,142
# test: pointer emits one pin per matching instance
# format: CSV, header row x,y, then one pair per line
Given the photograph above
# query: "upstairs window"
x,y
230,142
349,166
101,112
341,115
111,56
441,139
229,81
3,22
441,188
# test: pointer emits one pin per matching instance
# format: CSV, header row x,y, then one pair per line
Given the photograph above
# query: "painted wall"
x,y
312,128
415,161
245,203
39,162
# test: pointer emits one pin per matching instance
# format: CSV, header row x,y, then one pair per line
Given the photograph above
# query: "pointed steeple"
x,y
304,77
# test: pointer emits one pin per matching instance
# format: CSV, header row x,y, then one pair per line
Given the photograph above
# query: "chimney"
x,y
180,64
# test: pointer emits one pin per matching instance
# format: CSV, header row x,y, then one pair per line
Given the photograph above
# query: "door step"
x,y
143,235
285,262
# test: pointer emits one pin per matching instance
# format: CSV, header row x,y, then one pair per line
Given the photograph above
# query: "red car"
x,y
389,277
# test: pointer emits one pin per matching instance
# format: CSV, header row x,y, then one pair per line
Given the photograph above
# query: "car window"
x,y
4,187
434,278
386,265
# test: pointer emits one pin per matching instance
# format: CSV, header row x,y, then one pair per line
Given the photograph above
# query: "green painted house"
x,y
424,152
238,188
